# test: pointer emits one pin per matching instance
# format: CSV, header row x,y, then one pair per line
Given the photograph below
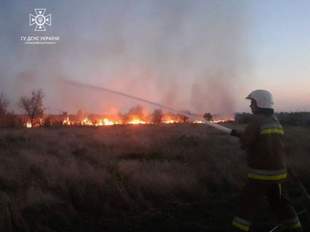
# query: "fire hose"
x,y
183,113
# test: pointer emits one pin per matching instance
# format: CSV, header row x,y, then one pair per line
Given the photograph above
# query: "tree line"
x,y
33,111
286,118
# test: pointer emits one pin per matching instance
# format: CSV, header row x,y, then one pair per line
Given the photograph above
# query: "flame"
x,y
28,125
67,122
108,122
170,119
86,122
136,121
137,116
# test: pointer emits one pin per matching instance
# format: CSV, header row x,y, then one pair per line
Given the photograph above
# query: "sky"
x,y
197,55
280,46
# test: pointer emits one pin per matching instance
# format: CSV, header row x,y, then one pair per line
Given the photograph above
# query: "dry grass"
x,y
126,178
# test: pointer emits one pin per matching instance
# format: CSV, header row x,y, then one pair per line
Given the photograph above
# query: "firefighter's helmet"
x,y
262,97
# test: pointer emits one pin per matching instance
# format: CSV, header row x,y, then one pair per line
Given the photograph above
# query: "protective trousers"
x,y
253,194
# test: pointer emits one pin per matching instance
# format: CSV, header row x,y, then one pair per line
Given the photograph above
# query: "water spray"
x,y
184,113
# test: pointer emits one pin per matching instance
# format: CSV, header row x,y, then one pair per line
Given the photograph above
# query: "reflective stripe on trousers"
x,y
267,175
241,224
292,224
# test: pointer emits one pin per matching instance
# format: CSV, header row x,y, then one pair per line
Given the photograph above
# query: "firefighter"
x,y
262,140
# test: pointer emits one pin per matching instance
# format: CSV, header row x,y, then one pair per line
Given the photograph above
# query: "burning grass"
x,y
135,116
176,177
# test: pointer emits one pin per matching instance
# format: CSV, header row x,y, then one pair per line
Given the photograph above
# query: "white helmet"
x,y
262,97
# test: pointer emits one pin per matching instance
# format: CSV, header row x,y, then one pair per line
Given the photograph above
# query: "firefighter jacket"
x,y
263,142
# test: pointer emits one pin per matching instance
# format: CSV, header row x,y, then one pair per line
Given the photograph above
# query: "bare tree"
x,y
208,116
4,103
33,106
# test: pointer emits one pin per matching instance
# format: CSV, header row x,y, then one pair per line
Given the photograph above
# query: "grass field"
x,y
129,178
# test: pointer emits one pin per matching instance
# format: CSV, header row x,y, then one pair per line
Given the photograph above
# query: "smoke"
x,y
185,54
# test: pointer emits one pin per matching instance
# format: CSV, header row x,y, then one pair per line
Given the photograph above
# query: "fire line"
x,y
187,114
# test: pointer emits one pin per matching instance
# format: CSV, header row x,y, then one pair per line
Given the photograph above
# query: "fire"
x,y
170,119
28,124
86,122
135,116
66,122
136,121
108,122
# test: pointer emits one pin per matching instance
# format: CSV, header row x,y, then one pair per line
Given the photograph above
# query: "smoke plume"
x,y
185,54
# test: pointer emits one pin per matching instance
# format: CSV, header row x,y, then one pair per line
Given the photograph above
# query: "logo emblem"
x,y
40,20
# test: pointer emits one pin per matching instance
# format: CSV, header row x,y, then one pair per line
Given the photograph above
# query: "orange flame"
x,y
28,124
66,122
86,122
136,121
170,119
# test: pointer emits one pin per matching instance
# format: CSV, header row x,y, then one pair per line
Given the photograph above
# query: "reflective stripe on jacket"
x,y
271,128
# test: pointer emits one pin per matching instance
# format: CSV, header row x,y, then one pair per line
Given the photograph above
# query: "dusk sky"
x,y
200,55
